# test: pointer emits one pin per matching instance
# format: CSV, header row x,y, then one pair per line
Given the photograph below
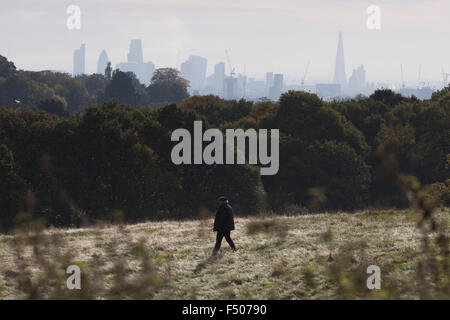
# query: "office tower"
x,y
79,60
277,87
214,82
194,70
147,70
102,62
255,89
219,74
135,63
241,86
186,70
269,81
339,70
230,87
135,55
357,80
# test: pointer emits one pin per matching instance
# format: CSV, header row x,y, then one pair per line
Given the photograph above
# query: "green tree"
x,y
319,148
12,189
167,86
57,106
7,68
122,88
387,96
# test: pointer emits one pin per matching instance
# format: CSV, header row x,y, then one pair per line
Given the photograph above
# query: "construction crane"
x,y
229,63
421,84
304,75
403,80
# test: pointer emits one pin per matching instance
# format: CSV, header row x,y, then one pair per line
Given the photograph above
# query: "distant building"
x,y
215,82
79,60
135,55
219,74
135,63
147,69
269,82
357,80
277,87
230,88
339,69
194,70
255,89
102,62
328,91
420,93
242,85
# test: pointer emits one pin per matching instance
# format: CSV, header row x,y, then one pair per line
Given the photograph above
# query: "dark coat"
x,y
224,220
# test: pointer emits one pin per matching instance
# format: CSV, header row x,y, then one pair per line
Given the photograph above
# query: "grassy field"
x,y
317,256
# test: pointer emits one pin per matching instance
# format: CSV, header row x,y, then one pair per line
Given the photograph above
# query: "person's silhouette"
x,y
224,223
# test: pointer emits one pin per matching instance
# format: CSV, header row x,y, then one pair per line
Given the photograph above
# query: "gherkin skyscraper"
x,y
102,62
339,69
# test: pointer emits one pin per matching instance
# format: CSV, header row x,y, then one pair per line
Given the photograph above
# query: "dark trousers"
x,y
219,237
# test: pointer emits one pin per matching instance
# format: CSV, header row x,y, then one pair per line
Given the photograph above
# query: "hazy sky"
x,y
279,36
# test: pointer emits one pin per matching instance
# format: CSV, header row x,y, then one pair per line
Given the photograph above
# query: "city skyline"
x,y
237,85
339,66
281,37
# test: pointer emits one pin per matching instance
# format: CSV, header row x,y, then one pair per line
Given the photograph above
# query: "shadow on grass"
x,y
213,258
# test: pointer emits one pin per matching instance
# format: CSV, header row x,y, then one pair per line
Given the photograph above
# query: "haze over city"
x,y
260,36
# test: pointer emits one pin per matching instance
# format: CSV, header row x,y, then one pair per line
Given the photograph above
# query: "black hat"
x,y
222,198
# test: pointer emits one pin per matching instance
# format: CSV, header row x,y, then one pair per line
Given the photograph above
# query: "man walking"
x,y
223,224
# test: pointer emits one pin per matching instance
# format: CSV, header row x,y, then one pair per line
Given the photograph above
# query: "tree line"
x,y
59,93
106,155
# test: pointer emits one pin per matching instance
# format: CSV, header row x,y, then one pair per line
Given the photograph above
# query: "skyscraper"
x,y
277,88
215,82
269,82
219,74
135,63
357,80
242,85
79,60
102,62
186,71
135,55
230,87
339,69
194,70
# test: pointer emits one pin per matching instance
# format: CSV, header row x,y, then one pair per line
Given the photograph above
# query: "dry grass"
x,y
288,257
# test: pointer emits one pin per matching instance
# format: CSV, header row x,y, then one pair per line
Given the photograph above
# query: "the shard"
x,y
339,69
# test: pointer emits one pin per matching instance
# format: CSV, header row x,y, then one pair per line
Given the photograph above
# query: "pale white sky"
x,y
279,36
